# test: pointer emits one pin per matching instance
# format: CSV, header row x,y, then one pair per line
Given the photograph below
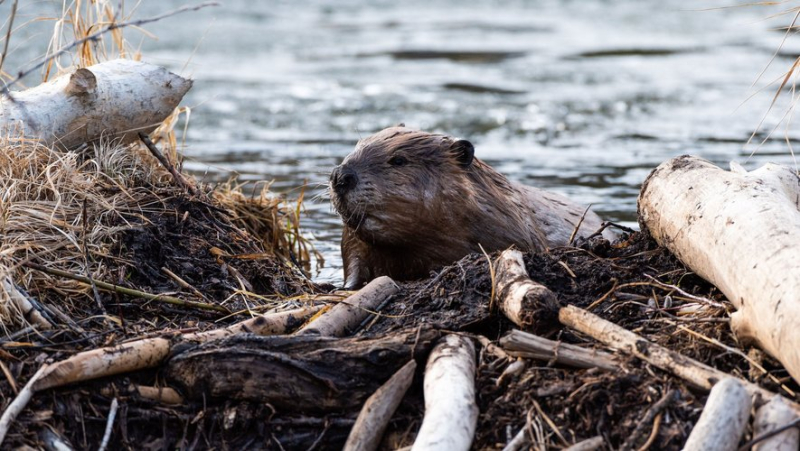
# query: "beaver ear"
x,y
463,151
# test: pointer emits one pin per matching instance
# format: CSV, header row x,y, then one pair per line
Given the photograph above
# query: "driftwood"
x,y
346,316
451,411
521,344
293,373
690,370
150,352
527,304
723,420
112,101
378,410
770,417
740,231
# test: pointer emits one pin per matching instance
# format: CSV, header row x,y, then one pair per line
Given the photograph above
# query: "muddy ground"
x,y
557,405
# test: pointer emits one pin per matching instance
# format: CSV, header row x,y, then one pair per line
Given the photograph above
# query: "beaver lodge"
x,y
143,309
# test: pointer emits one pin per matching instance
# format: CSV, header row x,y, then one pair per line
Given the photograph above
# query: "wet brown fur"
x,y
405,221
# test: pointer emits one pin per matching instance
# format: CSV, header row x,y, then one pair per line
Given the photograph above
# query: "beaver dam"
x,y
142,308
140,280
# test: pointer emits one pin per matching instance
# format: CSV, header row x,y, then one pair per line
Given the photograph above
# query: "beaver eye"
x,y
398,161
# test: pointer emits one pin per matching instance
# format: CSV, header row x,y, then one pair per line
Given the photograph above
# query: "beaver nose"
x,y
344,179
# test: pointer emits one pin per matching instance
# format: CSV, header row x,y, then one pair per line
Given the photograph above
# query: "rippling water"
x,y
581,97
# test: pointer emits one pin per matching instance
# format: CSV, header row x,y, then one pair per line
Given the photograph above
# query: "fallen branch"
x,y
368,431
150,352
112,414
24,305
179,180
13,410
451,411
590,444
128,291
526,303
741,232
523,344
346,316
614,336
723,420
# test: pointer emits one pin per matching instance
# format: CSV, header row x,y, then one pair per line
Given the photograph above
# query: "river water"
x,y
583,97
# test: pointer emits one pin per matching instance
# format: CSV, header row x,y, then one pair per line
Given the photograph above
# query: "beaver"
x,y
412,202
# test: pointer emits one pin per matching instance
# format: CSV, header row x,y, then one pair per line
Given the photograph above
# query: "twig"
x,y
550,423
653,433
163,160
109,425
94,36
648,418
769,434
578,226
19,403
688,295
129,291
8,34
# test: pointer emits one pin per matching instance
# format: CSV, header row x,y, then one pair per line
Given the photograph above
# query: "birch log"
x,y
740,231
451,412
723,420
345,317
527,304
113,100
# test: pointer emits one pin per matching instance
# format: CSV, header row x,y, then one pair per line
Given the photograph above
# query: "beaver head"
x,y
400,182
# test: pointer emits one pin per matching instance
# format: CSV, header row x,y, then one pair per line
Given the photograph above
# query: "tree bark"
x,y
296,374
523,344
114,100
723,420
740,231
368,431
344,317
529,305
451,411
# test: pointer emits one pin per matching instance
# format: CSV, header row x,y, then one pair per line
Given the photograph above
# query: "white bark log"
x,y
451,411
114,100
741,232
770,417
371,423
346,316
527,304
723,420
523,344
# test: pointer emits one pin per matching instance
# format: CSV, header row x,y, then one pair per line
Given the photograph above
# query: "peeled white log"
x,y
740,231
451,411
527,304
771,416
113,100
371,423
723,420
347,315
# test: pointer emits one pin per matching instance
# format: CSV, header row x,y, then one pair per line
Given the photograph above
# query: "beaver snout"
x,y
343,179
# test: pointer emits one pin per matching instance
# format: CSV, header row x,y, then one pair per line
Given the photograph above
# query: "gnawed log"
x,y
294,373
451,411
740,231
378,410
723,420
347,315
114,100
523,344
150,352
696,373
529,305
770,417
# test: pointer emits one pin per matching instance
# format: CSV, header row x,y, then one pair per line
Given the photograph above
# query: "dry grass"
x,y
77,211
